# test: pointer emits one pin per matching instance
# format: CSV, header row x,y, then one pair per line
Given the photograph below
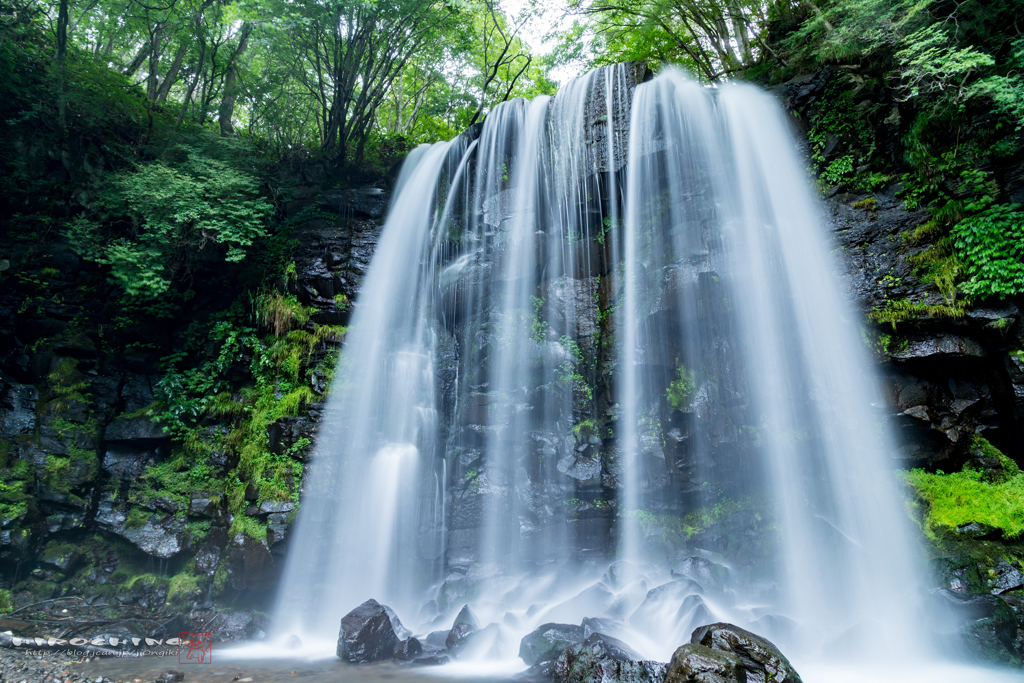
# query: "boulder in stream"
x,y
603,659
547,642
758,658
693,663
369,633
465,624
407,649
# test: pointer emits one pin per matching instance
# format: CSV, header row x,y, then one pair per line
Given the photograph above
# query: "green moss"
x,y
147,579
55,551
249,526
57,473
996,467
184,588
65,384
220,579
926,232
680,390
694,522
902,310
869,204
137,518
6,601
960,498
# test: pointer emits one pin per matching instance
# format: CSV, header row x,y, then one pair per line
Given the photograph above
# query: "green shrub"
x,y
151,222
6,601
991,246
680,390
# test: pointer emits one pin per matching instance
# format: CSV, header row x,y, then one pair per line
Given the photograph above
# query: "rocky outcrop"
x,y
603,659
547,642
369,633
723,653
698,664
762,661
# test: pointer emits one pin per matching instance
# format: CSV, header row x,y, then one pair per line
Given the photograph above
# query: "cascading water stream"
x,y
768,354
595,329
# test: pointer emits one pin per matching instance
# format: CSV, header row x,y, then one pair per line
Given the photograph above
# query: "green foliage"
x,y
538,326
6,601
963,497
680,390
184,588
137,518
991,246
568,373
694,522
902,310
150,223
930,63
188,394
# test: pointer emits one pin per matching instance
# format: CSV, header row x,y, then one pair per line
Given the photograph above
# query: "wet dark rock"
x,y
465,624
366,202
17,407
694,663
673,592
250,564
128,461
205,503
602,659
938,347
170,676
606,647
705,572
133,429
1005,577
976,530
368,633
408,649
436,639
984,627
548,641
762,661
609,627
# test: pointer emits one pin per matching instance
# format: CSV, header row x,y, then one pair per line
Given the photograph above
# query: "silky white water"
x,y
595,330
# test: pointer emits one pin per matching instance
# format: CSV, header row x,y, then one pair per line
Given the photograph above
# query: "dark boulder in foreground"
x,y
723,653
603,659
547,642
693,663
407,649
369,633
465,625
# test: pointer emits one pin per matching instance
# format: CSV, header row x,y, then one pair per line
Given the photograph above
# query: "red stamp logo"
x,y
195,647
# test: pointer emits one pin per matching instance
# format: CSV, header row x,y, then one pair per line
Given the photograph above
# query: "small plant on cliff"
x,y
680,390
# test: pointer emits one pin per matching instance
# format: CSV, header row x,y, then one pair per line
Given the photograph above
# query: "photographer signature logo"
x,y
195,647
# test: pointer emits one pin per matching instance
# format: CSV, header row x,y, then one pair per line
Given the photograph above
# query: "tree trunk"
x,y
154,61
63,17
227,103
172,74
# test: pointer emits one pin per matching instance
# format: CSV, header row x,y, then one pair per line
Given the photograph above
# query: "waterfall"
x,y
757,332
596,326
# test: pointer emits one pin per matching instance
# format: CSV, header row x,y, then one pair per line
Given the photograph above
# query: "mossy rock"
x,y
995,467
